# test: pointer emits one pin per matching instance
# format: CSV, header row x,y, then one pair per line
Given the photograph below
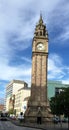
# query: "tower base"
x,y
37,112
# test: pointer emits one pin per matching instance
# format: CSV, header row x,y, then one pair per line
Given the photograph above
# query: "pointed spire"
x,y
40,29
40,20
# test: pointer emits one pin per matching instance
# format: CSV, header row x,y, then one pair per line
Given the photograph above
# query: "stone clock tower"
x,y
37,108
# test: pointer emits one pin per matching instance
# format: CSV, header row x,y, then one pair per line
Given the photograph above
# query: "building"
x,y
12,89
24,104
11,103
37,109
58,90
18,100
1,107
1,104
21,98
52,85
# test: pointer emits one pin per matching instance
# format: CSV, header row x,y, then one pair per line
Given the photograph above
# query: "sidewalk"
x,y
47,126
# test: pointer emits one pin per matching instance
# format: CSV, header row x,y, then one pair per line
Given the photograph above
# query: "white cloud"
x,y
65,35
18,19
56,69
8,72
14,21
58,22
17,22
11,24
26,59
15,26
66,81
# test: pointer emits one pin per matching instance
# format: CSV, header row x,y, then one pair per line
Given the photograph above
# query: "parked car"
x,y
3,117
56,119
12,116
65,120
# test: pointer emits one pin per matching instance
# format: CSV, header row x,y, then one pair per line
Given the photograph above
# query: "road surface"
x,y
7,125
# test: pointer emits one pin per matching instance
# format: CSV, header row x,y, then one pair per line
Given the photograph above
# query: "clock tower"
x,y
37,107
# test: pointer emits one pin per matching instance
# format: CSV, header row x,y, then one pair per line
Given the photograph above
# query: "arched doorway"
x,y
39,119
39,116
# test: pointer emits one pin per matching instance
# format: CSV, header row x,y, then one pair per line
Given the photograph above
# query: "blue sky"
x,y
18,19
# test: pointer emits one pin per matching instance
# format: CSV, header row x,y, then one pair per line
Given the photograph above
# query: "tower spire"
x,y
40,20
40,29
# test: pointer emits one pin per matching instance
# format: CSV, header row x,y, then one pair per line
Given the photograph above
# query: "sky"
x,y
18,19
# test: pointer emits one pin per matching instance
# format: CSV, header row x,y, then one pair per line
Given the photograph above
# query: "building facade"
x,y
52,85
12,89
1,107
20,102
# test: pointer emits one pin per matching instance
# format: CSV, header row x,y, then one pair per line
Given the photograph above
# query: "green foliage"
x,y
56,105
0,112
10,111
60,103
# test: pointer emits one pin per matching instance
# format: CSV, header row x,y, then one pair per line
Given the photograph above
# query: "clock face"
x,y
40,46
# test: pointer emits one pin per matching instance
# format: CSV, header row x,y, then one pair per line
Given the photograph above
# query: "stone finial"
x,y
40,20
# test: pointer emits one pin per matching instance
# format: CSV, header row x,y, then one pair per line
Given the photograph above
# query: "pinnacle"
x,y
40,20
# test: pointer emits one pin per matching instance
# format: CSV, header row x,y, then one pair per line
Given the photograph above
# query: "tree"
x,y
56,105
66,102
59,104
10,111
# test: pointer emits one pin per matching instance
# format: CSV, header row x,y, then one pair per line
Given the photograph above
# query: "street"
x,y
7,125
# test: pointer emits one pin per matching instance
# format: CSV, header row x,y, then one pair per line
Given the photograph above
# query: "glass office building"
x,y
52,85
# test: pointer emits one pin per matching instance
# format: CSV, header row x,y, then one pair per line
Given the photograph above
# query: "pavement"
x,y
47,126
